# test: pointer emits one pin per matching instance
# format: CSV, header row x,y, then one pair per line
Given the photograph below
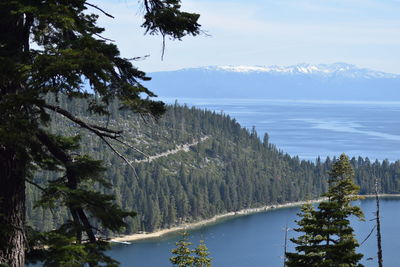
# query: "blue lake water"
x,y
308,129
317,128
257,240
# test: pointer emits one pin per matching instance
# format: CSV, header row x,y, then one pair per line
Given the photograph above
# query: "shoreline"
x,y
217,218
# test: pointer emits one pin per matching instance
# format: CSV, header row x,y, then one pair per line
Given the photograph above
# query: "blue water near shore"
x,y
308,129
257,240
316,128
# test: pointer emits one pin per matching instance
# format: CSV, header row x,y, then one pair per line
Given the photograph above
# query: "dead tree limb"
x,y
378,226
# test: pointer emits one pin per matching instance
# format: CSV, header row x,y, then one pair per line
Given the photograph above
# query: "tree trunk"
x,y
12,207
378,226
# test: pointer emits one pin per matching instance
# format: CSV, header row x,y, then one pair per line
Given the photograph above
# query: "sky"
x,y
265,32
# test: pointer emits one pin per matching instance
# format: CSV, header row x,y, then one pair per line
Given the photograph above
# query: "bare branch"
x,y
146,4
138,58
101,132
100,231
104,38
104,129
34,184
373,228
119,155
163,47
130,146
148,118
101,10
98,130
205,33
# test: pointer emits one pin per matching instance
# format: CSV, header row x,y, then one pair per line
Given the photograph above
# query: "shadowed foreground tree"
x,y
54,47
328,238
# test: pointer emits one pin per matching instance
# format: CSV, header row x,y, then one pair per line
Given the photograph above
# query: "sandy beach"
x,y
135,237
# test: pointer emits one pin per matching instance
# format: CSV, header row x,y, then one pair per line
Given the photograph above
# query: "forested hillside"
x,y
222,168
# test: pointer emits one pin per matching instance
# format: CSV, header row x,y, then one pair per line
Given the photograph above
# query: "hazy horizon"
x,y
282,66
270,32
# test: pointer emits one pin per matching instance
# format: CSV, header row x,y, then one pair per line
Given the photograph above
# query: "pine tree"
x,y
201,259
182,253
328,238
308,246
55,48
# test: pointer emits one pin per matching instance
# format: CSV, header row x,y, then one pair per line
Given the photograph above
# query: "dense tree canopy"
x,y
55,47
229,171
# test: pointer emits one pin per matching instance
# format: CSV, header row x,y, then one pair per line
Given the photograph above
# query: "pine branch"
x,y
78,213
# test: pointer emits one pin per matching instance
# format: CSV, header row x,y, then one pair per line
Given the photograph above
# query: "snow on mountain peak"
x,y
243,68
327,70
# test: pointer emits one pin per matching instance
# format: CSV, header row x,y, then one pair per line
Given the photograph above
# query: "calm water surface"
x,y
308,129
317,128
257,239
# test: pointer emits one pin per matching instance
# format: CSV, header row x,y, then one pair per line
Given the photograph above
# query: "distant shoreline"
x,y
162,232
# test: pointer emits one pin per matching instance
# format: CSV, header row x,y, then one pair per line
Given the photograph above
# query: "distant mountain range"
x,y
338,81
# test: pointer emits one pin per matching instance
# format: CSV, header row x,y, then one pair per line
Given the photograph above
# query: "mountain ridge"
x,y
339,81
340,68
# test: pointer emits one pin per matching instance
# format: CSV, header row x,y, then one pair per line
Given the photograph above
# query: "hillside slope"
x,y
215,166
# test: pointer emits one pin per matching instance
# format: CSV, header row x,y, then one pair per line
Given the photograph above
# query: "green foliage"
x,y
309,252
74,191
328,238
165,17
50,49
201,259
184,256
59,248
229,171
182,253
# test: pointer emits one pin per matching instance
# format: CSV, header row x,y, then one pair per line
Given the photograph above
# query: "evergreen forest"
x,y
212,166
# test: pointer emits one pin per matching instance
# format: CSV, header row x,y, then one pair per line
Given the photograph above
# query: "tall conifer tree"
x,y
55,47
328,238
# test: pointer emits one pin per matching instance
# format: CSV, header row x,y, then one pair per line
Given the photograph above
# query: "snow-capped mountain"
x,y
339,81
326,70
